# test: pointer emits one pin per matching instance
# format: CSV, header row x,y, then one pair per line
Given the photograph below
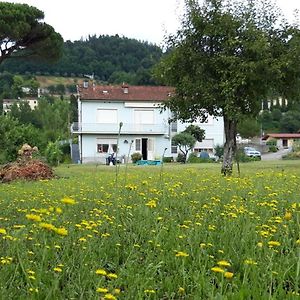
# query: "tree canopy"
x,y
226,58
23,34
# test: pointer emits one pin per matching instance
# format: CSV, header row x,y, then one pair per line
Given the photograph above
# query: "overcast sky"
x,y
145,20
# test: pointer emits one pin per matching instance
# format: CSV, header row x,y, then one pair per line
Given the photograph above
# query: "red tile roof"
x,y
125,92
282,136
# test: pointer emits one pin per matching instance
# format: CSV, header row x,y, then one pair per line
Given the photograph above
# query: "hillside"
x,y
111,59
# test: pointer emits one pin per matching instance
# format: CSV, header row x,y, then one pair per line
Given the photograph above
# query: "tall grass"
x,y
190,234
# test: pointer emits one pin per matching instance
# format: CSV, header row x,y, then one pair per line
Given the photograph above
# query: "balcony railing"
x,y
127,128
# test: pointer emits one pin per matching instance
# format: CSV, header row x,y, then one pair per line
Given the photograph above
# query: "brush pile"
x,y
26,167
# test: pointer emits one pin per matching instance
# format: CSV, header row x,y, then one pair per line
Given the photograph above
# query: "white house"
x,y
7,103
134,114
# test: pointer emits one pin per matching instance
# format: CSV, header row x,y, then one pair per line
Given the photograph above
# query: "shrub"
x,y
273,148
168,159
136,156
180,158
53,153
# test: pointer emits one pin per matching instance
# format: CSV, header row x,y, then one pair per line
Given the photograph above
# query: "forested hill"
x,y
111,59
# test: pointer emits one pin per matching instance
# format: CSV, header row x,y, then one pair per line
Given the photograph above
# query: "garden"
x,y
172,231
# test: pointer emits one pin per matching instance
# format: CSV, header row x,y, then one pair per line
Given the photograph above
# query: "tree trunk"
x,y
229,146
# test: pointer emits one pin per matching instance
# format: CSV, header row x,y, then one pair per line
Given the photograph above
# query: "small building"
x,y
283,140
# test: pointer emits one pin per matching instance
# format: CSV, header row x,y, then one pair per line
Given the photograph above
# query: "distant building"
x,y
7,103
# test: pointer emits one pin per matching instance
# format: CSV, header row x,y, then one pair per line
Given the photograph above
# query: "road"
x,y
275,155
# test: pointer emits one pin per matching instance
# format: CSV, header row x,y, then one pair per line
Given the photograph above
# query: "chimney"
x,y
125,88
85,84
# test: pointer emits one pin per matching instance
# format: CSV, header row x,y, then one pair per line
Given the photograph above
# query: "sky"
x,y
144,20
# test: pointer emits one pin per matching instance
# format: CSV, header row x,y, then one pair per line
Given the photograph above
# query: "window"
x,y
174,127
102,148
144,116
108,116
138,145
173,148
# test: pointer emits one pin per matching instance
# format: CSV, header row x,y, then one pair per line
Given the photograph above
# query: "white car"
x,y
252,152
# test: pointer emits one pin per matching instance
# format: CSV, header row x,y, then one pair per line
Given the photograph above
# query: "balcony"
x,y
127,128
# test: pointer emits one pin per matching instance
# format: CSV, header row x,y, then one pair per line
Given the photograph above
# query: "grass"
x,y
177,232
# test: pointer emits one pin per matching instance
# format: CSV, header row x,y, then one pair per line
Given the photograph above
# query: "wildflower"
x,y
259,244
298,242
61,231
273,243
57,269
33,217
2,231
58,210
228,275
181,254
217,270
110,297
250,262
223,263
33,290
47,226
117,291
102,290
151,204
112,276
101,272
67,200
149,291
181,290
288,216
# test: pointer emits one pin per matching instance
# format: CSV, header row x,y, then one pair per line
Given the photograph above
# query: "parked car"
x,y
252,152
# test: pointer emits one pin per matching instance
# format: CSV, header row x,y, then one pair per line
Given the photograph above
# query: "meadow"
x,y
152,232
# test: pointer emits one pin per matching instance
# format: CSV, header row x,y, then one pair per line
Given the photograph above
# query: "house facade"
x,y
131,119
283,140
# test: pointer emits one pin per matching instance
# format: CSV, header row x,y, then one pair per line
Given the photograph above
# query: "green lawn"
x,y
153,232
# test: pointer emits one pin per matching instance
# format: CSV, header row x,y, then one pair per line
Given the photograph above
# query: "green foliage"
x,y
13,135
168,159
136,156
53,153
181,158
219,151
23,34
196,132
248,127
184,141
273,148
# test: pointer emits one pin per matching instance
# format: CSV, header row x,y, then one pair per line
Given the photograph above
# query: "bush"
x,y
180,158
292,156
53,153
136,156
168,159
273,148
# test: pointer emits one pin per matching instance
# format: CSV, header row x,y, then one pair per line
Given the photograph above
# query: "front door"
x,y
145,149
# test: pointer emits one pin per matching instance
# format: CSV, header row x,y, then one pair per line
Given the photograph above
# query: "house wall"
x,y
214,131
90,152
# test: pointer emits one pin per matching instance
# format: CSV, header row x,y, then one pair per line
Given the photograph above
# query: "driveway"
x,y
275,155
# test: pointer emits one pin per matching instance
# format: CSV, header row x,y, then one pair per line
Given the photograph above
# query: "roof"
x,y
125,93
282,136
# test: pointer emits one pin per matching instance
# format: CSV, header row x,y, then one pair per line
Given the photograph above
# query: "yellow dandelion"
x,y
117,291
259,244
102,290
33,217
61,231
101,272
223,263
181,290
288,216
110,297
228,275
273,243
67,200
217,270
250,262
149,291
2,231
181,254
57,269
151,204
112,276
47,226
